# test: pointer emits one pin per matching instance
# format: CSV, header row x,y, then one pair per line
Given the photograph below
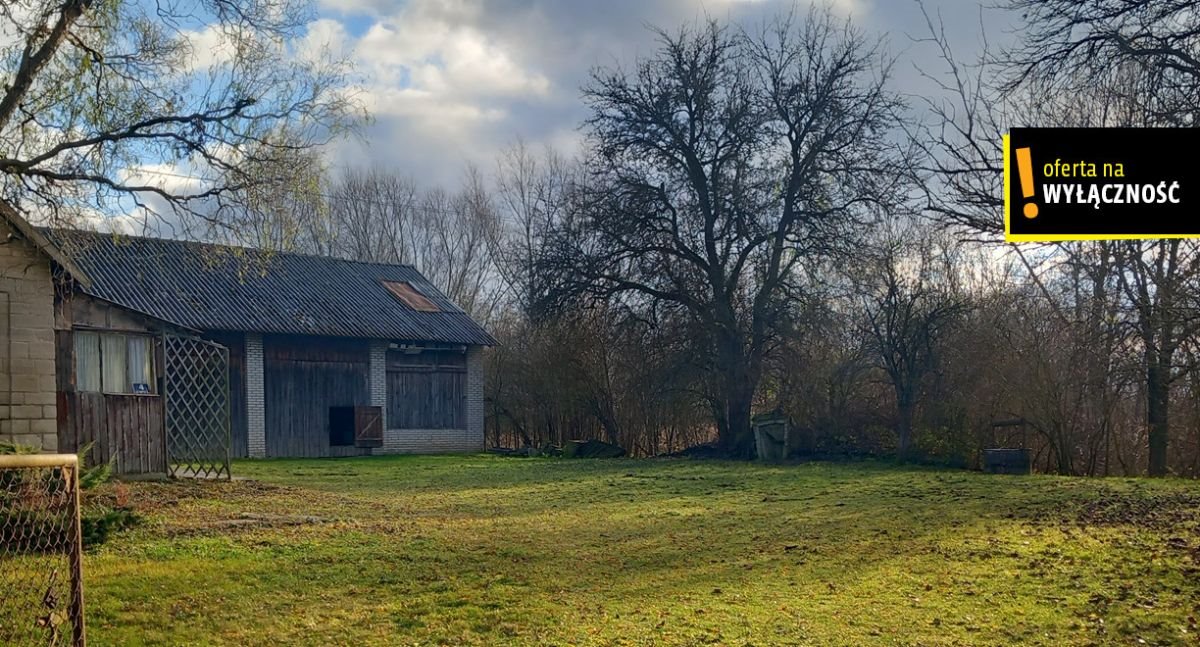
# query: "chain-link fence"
x,y
41,584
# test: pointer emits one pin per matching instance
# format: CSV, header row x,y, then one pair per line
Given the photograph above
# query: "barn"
x,y
170,353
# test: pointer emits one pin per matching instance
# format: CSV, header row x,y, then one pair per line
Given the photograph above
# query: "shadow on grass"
x,y
485,550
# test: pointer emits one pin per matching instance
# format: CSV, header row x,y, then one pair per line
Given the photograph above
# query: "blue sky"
x,y
452,82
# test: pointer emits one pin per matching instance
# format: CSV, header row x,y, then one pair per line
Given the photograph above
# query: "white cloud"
x,y
436,111
434,78
211,47
456,81
356,7
443,62
323,37
133,223
171,178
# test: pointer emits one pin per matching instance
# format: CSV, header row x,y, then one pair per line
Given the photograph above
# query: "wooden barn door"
x,y
311,387
196,407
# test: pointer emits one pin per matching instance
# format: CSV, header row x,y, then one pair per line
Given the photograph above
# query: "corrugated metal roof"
x,y
215,287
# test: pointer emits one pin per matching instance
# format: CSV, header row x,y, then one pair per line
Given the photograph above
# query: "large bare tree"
x,y
534,194
1159,279
384,217
1145,55
1071,45
720,165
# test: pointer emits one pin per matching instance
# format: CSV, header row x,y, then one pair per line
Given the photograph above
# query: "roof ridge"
x,y
200,243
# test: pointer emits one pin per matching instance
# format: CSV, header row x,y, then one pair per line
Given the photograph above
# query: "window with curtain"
x,y
141,365
114,363
87,361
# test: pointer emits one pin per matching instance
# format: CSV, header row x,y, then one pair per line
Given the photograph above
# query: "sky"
x,y
454,82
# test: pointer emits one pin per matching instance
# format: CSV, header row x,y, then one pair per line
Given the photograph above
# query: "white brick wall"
x,y
256,423
378,376
475,380
428,441
27,378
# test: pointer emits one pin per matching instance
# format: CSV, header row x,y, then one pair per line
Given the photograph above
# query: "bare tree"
x,y
1071,45
384,217
534,194
906,286
457,254
1092,63
720,165
374,216
962,163
1159,279
1144,57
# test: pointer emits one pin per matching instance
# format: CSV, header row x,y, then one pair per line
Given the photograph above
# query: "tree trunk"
x,y
720,414
608,423
1158,397
740,440
904,426
738,380
1062,450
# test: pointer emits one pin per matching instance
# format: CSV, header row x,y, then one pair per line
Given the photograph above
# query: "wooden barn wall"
x,y
426,390
126,429
302,378
238,419
80,311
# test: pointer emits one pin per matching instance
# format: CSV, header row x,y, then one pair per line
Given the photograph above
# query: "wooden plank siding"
x,y
426,390
426,399
125,429
302,378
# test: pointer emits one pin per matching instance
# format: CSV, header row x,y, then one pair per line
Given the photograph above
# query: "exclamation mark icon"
x,y
1025,173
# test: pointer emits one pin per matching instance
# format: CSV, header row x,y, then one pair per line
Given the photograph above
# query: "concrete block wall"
x,y
28,415
256,421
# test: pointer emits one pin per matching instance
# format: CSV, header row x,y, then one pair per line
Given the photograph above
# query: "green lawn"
x,y
503,551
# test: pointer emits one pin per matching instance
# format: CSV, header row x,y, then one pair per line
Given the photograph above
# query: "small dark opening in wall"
x,y
341,426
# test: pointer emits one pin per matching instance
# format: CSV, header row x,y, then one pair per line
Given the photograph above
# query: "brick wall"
x,y
256,422
27,382
475,396
378,376
428,441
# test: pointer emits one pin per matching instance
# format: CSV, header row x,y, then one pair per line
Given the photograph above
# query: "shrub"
x,y
97,521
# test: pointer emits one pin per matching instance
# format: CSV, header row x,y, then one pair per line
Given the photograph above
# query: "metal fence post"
x,y
79,631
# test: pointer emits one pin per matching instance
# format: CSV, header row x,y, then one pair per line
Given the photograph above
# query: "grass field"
x,y
499,551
